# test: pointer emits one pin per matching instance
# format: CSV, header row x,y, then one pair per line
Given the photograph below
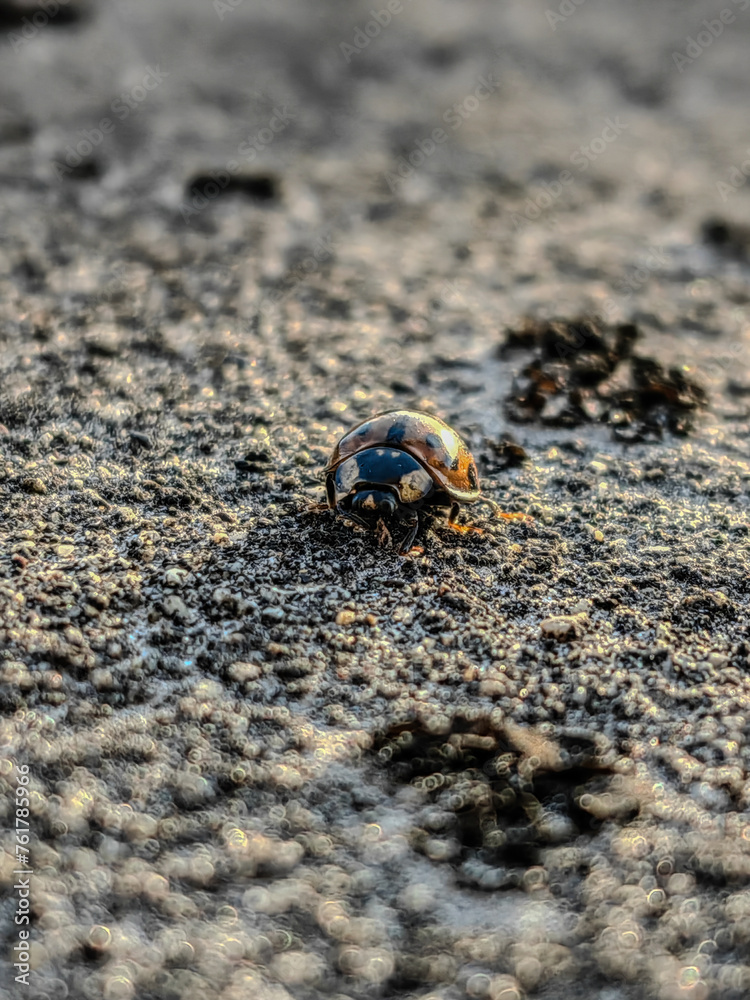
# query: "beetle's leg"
x,y
413,526
383,534
330,490
455,508
490,503
351,516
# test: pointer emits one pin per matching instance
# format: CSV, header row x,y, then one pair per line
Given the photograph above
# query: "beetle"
x,y
387,468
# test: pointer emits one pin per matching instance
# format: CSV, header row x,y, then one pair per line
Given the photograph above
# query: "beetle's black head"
x,y
370,506
376,482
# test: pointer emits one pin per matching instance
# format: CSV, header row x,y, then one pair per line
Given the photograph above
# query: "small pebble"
x,y
34,486
274,613
175,607
562,627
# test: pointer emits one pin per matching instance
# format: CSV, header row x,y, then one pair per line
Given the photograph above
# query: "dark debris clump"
x,y
505,453
586,372
728,237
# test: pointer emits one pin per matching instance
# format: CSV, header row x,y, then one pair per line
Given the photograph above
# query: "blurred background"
x,y
228,230
212,167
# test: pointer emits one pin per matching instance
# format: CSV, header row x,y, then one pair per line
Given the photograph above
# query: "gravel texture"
x,y
268,759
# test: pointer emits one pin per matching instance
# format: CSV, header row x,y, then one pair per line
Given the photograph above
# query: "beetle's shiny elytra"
x,y
387,468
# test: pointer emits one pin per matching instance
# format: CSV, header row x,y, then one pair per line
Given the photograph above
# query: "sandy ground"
x,y
266,758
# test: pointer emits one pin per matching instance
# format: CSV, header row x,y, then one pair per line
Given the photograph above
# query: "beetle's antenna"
x,y
515,516
495,506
